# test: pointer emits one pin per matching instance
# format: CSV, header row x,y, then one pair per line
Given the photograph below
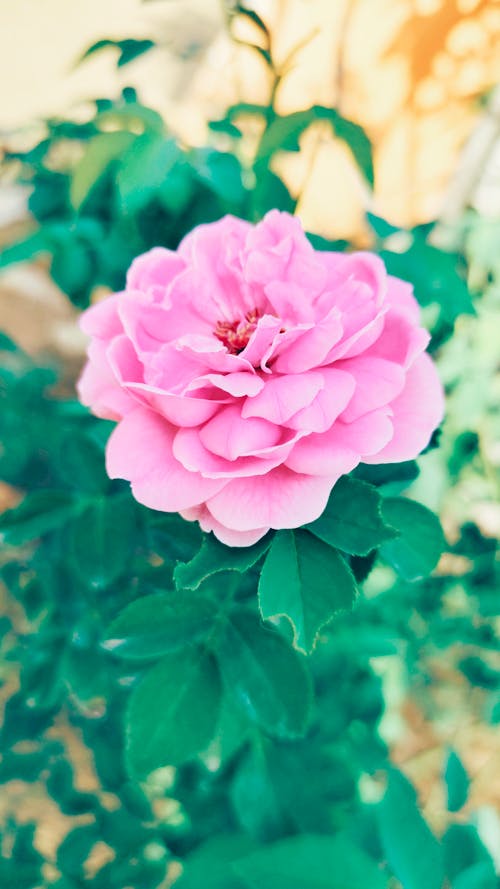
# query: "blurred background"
x,y
420,77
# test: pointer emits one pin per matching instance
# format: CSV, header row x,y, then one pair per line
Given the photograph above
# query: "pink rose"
x,y
247,372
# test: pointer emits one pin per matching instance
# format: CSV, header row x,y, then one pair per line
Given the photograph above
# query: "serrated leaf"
x,y
411,849
213,557
173,712
159,623
306,580
352,520
457,782
39,513
267,678
415,553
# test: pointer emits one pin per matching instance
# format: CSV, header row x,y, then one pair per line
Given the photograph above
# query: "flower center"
x,y
236,334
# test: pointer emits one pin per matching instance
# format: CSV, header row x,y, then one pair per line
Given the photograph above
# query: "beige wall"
x,y
406,69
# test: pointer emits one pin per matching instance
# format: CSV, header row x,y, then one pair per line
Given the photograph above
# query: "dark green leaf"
x,y
315,862
161,622
412,851
39,513
352,520
129,49
267,678
173,712
213,557
457,782
100,540
306,580
415,553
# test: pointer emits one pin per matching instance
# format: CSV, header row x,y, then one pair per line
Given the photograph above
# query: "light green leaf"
x,y
269,681
173,712
306,580
415,553
144,168
159,623
99,153
352,520
413,852
457,782
213,557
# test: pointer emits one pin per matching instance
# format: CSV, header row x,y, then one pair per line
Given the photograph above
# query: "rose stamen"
x,y
235,335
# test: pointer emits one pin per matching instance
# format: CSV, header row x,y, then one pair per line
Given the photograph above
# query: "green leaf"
x,y
159,623
173,712
129,49
306,580
211,865
39,513
457,782
221,172
352,520
434,274
213,557
283,134
99,153
315,862
26,249
415,553
412,851
267,678
253,16
100,540
145,168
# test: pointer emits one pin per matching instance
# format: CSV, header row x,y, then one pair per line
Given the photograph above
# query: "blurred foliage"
x,y
235,737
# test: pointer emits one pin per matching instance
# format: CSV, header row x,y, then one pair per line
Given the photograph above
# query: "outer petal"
x,y
340,449
140,450
102,319
153,271
98,387
377,383
225,535
195,457
281,499
230,436
417,411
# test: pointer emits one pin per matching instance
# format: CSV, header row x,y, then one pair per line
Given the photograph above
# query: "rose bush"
x,y
247,372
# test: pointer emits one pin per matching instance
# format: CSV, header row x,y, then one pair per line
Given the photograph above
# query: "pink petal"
x,y
377,382
237,384
417,411
282,396
194,456
102,320
280,499
154,270
140,450
342,447
225,535
311,349
400,340
230,436
99,389
329,402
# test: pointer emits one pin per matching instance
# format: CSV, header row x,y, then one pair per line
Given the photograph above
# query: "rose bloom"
x,y
247,372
